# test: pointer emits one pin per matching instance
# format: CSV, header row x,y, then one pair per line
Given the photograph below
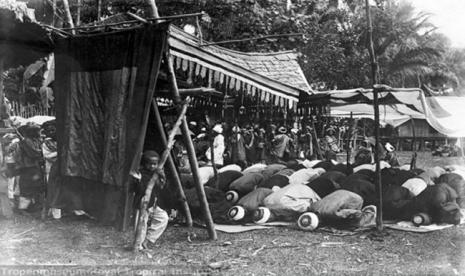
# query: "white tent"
x,y
443,113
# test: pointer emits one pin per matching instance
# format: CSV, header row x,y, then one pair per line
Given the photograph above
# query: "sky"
x,y
447,15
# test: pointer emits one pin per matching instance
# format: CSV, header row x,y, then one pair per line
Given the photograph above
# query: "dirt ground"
x,y
82,247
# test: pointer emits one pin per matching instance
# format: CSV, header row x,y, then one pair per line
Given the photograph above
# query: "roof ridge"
x,y
192,37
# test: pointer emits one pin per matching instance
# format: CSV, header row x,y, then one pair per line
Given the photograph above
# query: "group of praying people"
x,y
314,193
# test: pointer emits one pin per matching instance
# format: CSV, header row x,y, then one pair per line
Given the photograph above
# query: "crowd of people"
x,y
260,174
29,170
252,143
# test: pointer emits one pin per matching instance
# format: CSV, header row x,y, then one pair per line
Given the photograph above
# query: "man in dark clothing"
x,y
30,165
438,201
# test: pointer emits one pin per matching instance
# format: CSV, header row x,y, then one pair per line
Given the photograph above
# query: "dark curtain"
x,y
105,84
104,87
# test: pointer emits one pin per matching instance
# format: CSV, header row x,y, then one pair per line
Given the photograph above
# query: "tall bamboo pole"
x,y
99,10
349,135
191,152
374,81
54,9
78,13
171,165
187,139
69,18
141,228
153,9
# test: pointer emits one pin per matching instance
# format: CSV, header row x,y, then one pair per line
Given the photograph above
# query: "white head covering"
x,y
218,128
389,147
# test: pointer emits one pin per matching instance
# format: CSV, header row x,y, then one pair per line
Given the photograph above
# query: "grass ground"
x,y
28,241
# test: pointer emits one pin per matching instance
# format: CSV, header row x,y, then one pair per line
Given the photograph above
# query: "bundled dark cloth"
x,y
217,204
393,176
327,183
254,199
276,180
327,165
224,180
394,200
246,183
359,184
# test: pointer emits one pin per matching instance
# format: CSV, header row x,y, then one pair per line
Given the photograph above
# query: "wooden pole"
x,y
78,13
69,18
153,9
317,145
187,139
374,80
413,162
141,228
251,39
2,65
349,134
414,140
54,10
171,165
99,10
191,152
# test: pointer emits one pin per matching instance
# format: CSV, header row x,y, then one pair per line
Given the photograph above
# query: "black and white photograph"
x,y
232,137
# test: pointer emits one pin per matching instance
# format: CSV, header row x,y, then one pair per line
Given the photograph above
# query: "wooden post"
x,y
99,10
349,134
153,9
78,13
414,140
191,153
413,162
141,228
171,165
54,10
374,80
2,64
69,18
212,150
187,139
317,145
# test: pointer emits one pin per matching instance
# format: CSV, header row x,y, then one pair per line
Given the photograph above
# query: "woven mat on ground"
x,y
249,227
409,226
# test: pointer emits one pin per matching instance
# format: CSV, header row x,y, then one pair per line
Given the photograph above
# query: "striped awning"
x,y
233,72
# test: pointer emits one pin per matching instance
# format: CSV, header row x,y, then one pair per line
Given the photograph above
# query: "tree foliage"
x,y
409,50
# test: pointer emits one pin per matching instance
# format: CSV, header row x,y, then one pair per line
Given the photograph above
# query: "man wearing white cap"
x,y
391,156
218,146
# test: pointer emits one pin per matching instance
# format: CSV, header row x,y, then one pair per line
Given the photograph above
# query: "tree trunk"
x,y
78,14
69,18
99,10
153,9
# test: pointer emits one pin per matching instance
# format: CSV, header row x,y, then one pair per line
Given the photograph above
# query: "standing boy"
x,y
158,218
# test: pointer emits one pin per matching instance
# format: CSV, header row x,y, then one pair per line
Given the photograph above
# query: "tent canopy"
x,y
396,106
